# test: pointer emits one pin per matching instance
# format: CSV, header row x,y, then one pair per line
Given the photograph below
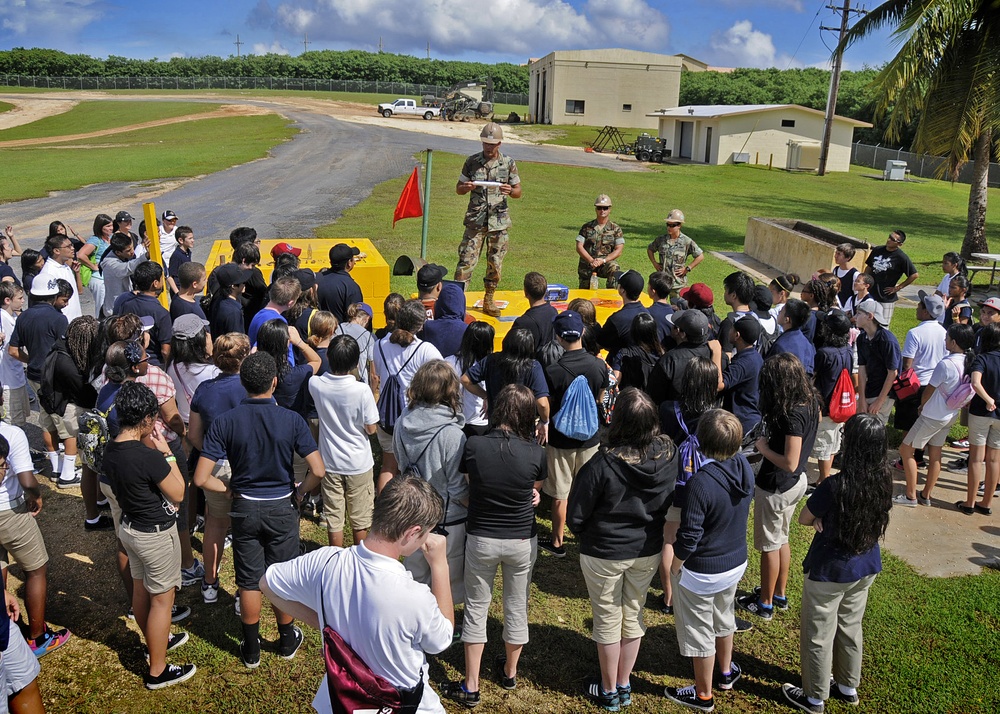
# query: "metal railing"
x,y
920,165
189,83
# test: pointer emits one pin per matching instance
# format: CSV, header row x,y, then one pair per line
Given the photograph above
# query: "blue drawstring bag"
x,y
577,416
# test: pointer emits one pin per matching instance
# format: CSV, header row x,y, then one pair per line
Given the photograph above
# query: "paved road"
x,y
307,182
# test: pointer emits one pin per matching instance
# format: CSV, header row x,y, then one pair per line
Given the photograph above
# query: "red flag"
x,y
409,205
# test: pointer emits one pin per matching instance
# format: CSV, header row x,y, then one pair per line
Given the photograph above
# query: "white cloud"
x,y
743,46
275,48
511,28
36,18
795,5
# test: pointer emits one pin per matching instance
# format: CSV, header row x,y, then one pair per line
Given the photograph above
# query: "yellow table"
x,y
371,272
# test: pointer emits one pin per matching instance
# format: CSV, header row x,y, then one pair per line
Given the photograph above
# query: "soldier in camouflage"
x,y
673,250
599,244
487,219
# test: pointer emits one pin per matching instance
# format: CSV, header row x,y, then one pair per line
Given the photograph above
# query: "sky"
x,y
723,33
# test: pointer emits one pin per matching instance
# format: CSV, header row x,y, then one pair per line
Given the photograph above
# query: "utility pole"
x,y
428,49
305,43
380,44
831,98
238,44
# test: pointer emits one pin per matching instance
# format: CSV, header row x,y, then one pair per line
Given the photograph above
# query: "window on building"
x,y
790,123
574,106
626,107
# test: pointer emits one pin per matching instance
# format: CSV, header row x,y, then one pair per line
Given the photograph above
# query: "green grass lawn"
x,y
176,150
5,107
571,135
97,116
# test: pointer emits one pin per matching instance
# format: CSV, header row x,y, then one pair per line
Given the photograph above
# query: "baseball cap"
x,y
603,200
933,304
365,307
430,275
748,328
147,322
837,322
282,248
44,288
232,274
341,253
762,301
169,216
568,324
874,309
698,295
630,281
491,134
188,326
123,216
993,302
306,278
693,324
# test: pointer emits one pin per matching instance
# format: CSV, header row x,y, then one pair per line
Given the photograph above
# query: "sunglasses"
x,y
673,225
894,239
603,208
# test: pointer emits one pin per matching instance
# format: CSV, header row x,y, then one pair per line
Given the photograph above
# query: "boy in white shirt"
x,y
15,385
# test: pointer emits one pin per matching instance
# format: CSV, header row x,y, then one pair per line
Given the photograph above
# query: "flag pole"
x,y
427,205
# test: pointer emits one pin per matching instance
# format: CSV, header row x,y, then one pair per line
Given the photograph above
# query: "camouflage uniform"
x,y
599,241
673,254
487,218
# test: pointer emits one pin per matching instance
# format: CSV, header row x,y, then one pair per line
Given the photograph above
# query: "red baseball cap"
x,y
282,248
698,295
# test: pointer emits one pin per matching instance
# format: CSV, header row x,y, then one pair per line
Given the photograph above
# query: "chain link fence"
x,y
293,83
920,165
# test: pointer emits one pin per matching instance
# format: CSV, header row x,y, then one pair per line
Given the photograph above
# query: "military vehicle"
x,y
649,148
465,100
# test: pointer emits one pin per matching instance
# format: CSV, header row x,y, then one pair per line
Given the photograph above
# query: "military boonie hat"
x,y
604,200
491,134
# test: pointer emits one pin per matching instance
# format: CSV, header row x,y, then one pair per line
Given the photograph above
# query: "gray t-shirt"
x,y
366,344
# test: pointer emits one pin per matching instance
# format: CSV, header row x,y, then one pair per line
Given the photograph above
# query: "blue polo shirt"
x,y
878,355
266,315
826,560
227,317
660,312
336,292
178,258
214,397
163,327
796,343
260,440
617,331
179,306
36,330
741,386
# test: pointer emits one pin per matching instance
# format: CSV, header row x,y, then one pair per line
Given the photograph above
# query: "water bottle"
x,y
594,280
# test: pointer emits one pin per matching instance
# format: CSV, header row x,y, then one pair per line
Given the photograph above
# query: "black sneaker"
x,y
177,613
608,701
290,653
456,691
779,602
798,699
250,654
688,697
727,682
172,674
750,603
835,693
558,551
743,625
103,523
173,642
500,668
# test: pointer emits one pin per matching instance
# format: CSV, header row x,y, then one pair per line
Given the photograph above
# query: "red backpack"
x,y
843,404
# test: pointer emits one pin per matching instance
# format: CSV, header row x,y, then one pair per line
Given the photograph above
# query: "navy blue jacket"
x,y
447,328
617,331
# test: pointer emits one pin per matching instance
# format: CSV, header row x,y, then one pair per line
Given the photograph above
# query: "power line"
x,y
805,34
305,43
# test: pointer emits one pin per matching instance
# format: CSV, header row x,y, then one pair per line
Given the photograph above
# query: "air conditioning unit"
x,y
803,155
741,157
894,170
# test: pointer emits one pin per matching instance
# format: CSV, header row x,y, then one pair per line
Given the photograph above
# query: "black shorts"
x,y
264,533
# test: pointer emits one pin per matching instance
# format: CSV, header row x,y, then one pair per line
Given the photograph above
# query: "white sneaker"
x,y
210,593
902,500
192,575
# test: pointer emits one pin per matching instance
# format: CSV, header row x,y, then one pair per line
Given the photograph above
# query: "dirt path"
x,y
28,109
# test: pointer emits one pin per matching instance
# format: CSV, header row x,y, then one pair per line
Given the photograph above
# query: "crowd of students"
x,y
265,401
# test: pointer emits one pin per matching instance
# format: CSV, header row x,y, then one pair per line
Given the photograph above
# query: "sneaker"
x,y
751,603
456,691
104,505
779,602
625,695
103,523
228,542
743,625
192,575
835,693
902,500
960,443
236,605
210,592
558,551
250,655
798,699
173,642
688,697
48,641
664,609
727,682
71,483
982,489
608,701
922,499
958,466
199,525
172,674
177,613
290,653
898,464
308,508
500,668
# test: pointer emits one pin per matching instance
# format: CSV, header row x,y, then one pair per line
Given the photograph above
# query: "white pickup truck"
x,y
407,106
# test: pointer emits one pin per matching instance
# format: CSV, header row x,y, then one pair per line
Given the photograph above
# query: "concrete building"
x,y
611,87
786,135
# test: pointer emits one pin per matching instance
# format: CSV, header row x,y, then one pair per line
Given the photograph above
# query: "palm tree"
x,y
947,76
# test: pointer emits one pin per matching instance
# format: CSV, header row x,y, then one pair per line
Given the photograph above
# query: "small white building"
x,y
784,135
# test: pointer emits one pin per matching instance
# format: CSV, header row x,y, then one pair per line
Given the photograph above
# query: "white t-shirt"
x,y
472,406
945,378
18,461
52,270
168,244
345,407
390,358
924,344
389,620
186,379
11,369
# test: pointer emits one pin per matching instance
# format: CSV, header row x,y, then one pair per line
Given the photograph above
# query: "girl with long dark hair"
x,y
819,297
850,513
292,391
515,363
31,265
90,255
958,309
506,468
477,344
984,424
952,264
633,364
790,410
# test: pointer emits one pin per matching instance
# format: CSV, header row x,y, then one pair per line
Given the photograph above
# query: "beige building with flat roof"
x,y
611,87
784,135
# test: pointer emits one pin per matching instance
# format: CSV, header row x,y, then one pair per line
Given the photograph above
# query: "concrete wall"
x,y
606,81
778,243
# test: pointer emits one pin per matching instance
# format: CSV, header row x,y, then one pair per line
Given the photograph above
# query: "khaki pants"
x,y
617,590
830,637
